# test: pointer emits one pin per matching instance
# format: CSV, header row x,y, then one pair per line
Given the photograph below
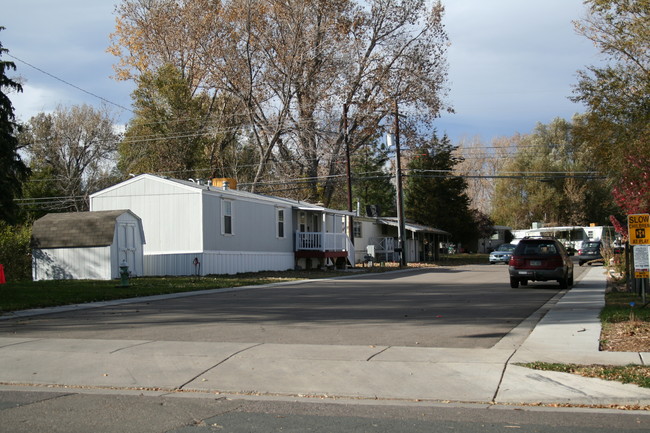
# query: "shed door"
x,y
126,245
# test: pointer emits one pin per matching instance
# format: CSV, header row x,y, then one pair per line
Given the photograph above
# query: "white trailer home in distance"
x,y
423,243
570,236
210,227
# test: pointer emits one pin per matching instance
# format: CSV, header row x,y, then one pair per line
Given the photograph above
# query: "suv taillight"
x,y
516,261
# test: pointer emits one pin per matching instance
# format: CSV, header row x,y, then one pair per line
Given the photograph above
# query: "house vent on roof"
x,y
224,182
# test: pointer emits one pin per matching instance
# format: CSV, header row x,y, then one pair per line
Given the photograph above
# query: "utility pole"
x,y
346,140
401,230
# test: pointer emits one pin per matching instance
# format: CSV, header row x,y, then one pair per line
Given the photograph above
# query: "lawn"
x,y
624,306
636,374
38,294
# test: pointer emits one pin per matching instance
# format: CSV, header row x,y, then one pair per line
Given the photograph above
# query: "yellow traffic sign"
x,y
638,227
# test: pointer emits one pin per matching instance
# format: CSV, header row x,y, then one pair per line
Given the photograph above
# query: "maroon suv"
x,y
540,259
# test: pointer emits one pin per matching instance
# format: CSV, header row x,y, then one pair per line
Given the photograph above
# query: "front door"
x,y
126,245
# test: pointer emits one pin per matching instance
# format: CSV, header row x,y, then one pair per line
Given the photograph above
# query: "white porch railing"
x,y
384,248
384,245
316,241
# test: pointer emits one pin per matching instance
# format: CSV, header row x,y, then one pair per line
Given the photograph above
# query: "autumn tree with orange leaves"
x,y
290,66
617,96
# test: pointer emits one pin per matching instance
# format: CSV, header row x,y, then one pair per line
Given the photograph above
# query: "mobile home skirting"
x,y
216,262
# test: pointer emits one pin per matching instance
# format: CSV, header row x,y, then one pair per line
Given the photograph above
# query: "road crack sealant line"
x,y
22,342
378,353
180,388
143,343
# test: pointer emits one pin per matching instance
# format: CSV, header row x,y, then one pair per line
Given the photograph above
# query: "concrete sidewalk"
x,y
568,333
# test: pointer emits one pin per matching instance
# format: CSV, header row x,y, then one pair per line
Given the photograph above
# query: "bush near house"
x,y
15,252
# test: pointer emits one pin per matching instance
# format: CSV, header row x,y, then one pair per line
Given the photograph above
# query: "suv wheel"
x,y
563,283
514,283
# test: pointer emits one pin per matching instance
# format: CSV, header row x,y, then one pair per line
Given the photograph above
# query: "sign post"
x,y
638,228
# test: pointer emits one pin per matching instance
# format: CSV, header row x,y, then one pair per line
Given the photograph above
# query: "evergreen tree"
x,y
372,183
13,171
433,195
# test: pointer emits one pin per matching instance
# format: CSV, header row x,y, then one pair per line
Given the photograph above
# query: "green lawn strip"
x,y
24,295
635,374
624,306
463,259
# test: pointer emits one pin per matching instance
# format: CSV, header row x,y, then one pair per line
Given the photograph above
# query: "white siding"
x,y
170,213
217,262
369,230
72,263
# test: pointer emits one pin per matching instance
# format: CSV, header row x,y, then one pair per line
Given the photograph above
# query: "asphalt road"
x,y
72,412
464,307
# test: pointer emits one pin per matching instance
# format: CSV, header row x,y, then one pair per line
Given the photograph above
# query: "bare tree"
x,y
75,146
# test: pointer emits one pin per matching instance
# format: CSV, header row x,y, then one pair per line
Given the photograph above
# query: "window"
x,y
357,229
280,221
226,215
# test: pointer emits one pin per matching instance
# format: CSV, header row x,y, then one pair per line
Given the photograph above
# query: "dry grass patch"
x,y
628,336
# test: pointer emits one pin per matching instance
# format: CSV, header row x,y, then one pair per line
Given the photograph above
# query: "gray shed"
x,y
87,245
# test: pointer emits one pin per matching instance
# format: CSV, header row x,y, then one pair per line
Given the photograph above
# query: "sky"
x,y
512,63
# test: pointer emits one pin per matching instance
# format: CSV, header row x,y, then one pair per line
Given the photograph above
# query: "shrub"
x,y
15,251
615,262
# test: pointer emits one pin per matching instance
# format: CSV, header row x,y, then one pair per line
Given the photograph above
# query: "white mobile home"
x,y
570,236
202,228
381,234
87,245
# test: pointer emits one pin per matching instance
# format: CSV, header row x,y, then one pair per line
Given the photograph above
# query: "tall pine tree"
x,y
13,171
433,195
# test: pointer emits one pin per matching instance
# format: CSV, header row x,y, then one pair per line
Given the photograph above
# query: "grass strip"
x,y
624,306
24,295
634,374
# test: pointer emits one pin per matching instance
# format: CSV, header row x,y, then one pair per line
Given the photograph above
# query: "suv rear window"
x,y
537,247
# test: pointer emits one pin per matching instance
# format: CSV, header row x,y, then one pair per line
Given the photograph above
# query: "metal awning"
x,y
416,228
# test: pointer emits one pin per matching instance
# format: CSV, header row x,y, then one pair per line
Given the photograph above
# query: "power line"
x,y
69,84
